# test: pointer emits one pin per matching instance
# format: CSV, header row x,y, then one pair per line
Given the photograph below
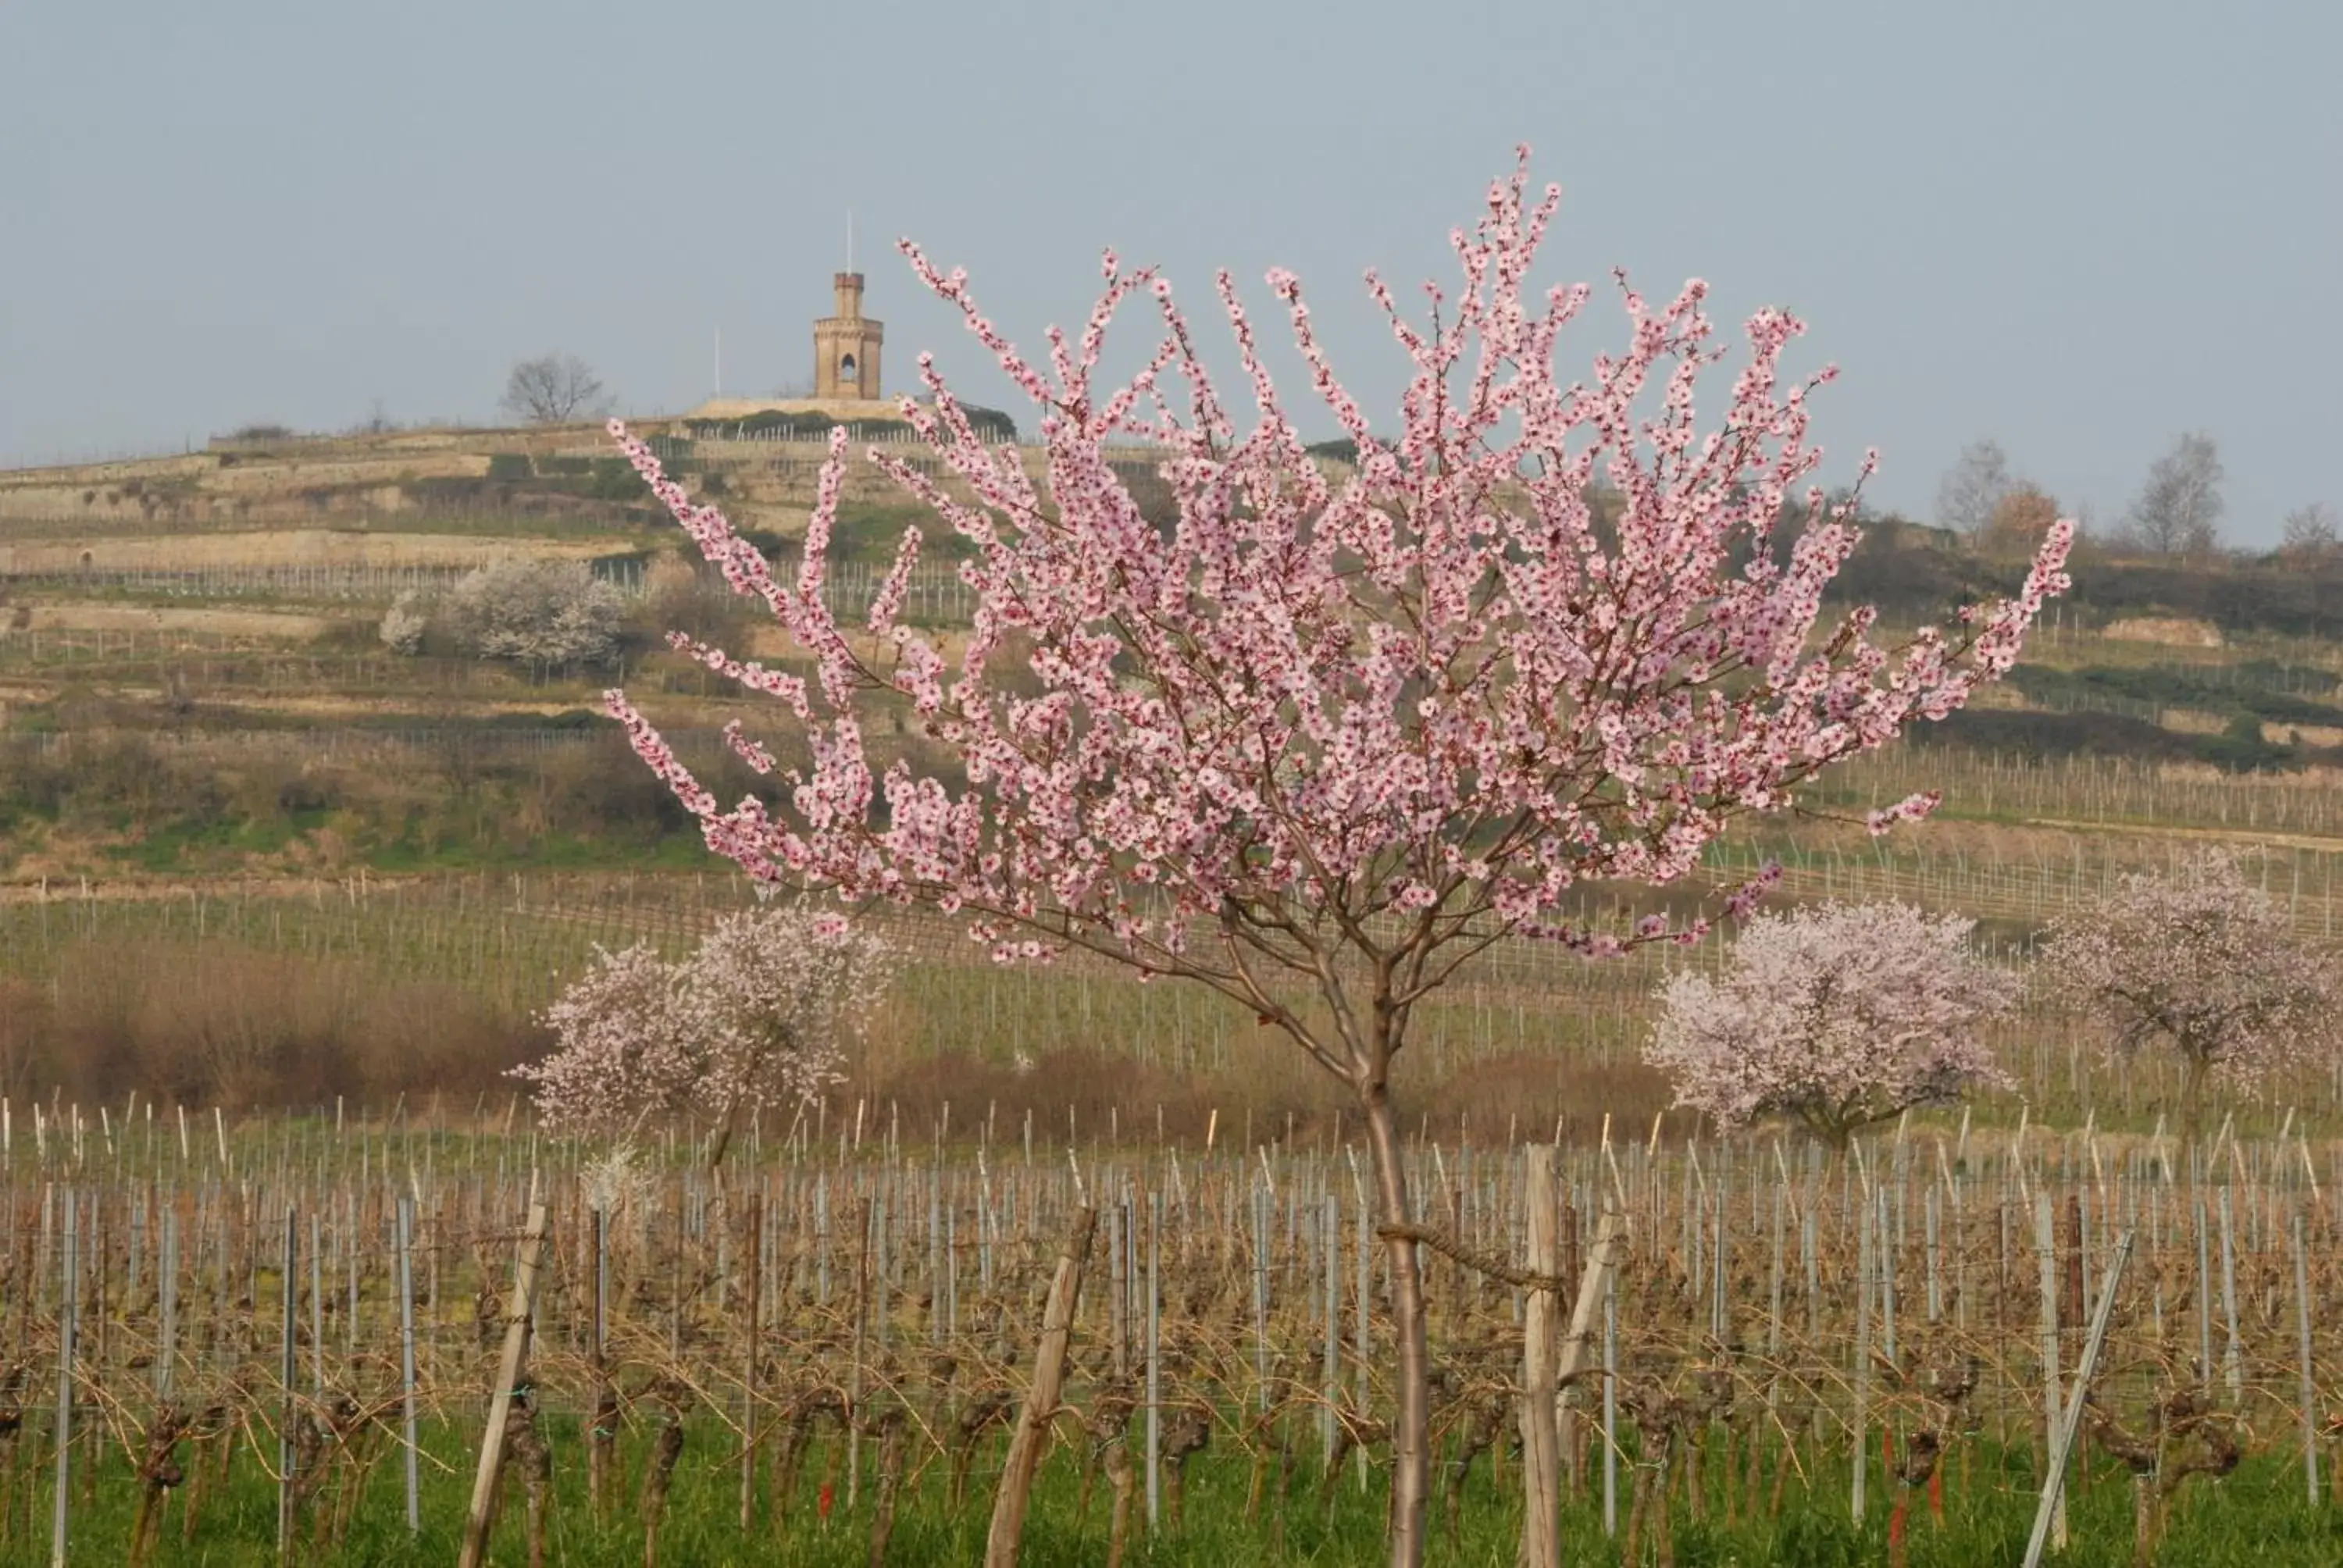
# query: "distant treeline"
x,y
1911,573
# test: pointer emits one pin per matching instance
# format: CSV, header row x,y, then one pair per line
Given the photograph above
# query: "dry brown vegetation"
x,y
220,1023
238,1027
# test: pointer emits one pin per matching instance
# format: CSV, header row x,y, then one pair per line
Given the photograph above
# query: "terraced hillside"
x,y
197,702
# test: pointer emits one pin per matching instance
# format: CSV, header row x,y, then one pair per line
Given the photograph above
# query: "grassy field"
x,y
2255,1517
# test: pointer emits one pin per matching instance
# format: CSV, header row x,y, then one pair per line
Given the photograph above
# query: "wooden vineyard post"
x,y
317,1307
1155,1357
1118,1287
1592,1287
291,1372
1541,1464
755,1293
2069,1415
1330,1231
1610,1407
508,1371
1551,1384
2047,1247
604,1433
1574,1265
2204,1303
407,1356
1364,1257
1773,1331
167,1282
1033,1423
1261,1240
2232,1360
864,1212
1861,1424
69,1313
2308,1393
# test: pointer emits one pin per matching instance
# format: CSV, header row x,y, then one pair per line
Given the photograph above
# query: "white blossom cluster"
x,y
757,1015
535,612
2203,963
1839,1015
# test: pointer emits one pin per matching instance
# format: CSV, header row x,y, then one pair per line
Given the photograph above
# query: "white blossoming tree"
x,y
1839,1016
404,624
2202,962
756,1016
542,613
1316,741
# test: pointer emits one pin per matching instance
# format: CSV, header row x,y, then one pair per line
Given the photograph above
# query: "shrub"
x,y
404,624
991,425
613,480
2240,747
541,613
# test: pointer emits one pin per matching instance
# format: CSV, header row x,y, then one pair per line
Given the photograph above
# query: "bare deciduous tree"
x,y
2021,520
1973,486
553,388
2312,532
2178,512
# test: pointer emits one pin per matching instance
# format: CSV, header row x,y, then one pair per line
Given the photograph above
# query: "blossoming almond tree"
x,y
752,1017
1841,1015
1316,741
2202,962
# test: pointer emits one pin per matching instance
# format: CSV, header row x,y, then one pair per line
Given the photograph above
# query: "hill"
x,y
199,715
192,678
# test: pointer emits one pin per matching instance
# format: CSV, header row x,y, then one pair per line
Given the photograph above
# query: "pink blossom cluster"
x,y
1838,1015
2201,961
756,1015
1545,636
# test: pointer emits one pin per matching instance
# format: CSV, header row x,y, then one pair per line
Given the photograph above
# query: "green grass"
x,y
2259,1515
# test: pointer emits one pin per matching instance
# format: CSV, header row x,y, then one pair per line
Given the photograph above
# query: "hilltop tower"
x,y
846,347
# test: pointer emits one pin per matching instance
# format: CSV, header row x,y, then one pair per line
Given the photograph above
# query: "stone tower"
x,y
846,347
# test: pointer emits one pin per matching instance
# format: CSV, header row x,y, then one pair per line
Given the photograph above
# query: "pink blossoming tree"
x,y
2202,962
755,1016
1318,740
1841,1016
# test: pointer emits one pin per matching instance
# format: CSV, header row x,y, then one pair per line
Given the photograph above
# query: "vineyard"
x,y
216,1332
503,946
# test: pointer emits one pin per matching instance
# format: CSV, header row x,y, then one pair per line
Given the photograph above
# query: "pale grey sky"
x,y
2081,227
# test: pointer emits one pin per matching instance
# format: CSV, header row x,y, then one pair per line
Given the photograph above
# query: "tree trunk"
x,y
1411,1421
2192,1096
723,1139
